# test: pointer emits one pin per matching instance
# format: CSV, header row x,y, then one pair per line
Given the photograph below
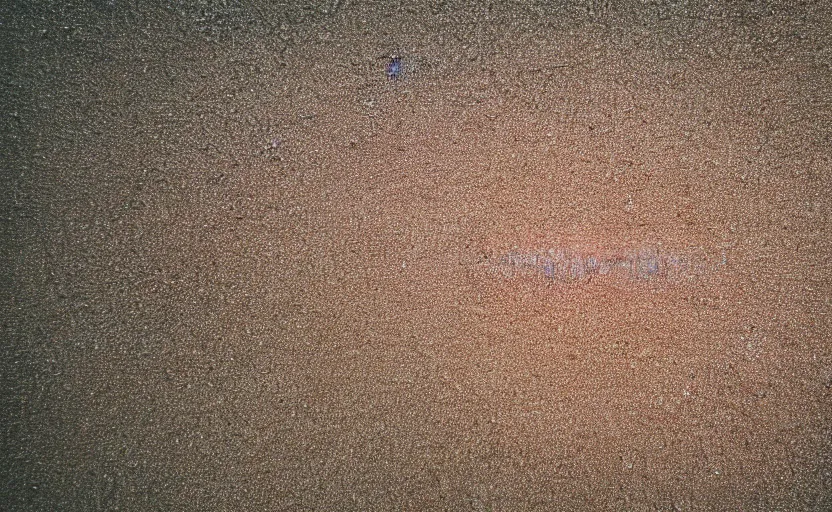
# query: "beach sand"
x,y
249,268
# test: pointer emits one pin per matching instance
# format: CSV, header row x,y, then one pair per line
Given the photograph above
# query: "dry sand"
x,y
246,271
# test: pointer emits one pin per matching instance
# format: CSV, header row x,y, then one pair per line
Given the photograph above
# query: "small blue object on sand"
x,y
394,68
570,264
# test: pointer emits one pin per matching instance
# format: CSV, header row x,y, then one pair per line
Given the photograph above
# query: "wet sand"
x,y
249,270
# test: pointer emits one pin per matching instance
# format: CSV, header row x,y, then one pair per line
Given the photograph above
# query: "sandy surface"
x,y
247,271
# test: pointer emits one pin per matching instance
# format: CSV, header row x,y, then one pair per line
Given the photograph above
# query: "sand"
x,y
248,270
